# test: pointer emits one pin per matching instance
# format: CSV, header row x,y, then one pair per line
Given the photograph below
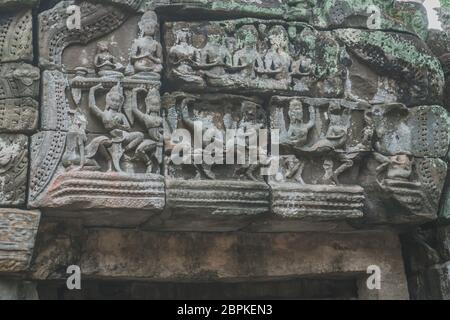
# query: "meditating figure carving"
x,y
146,53
105,63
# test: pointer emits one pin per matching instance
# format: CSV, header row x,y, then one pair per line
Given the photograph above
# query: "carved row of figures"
x,y
122,144
242,56
146,56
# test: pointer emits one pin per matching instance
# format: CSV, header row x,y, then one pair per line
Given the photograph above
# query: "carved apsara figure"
x,y
113,120
150,149
146,53
247,131
74,154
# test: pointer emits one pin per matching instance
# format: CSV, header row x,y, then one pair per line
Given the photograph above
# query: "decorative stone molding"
x,y
16,36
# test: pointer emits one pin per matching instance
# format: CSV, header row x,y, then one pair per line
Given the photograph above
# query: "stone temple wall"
x,y
100,101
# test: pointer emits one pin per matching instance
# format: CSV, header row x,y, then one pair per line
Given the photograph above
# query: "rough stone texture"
x,y
18,115
16,36
13,169
11,289
114,253
18,233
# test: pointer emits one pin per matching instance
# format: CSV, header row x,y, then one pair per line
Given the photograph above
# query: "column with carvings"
x,y
19,90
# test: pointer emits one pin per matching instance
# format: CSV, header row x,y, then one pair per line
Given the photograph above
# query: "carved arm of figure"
x,y
150,121
185,114
312,118
92,104
134,107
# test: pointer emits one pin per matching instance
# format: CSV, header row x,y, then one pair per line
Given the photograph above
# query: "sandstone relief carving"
x,y
219,185
357,113
107,116
256,56
13,169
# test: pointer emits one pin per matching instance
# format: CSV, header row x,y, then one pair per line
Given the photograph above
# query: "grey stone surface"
x,y
18,234
17,290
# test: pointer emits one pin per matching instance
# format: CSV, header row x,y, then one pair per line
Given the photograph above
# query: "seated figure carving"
x,y
277,60
105,63
146,53
182,56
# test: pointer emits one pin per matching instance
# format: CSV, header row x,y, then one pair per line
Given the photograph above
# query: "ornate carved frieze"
x,y
104,144
257,56
16,36
18,229
18,80
222,185
13,169
18,115
322,143
340,159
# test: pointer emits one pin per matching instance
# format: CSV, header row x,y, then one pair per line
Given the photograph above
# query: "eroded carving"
x,y
13,169
210,117
18,115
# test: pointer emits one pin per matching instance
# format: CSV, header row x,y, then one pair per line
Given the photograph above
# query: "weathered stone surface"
x,y
13,169
11,289
18,80
142,255
18,115
16,36
373,14
17,237
16,3
407,70
431,284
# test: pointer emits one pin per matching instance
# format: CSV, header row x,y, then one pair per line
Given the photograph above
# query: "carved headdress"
x,y
116,93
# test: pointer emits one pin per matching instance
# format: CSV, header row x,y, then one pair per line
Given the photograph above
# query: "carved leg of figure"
x,y
208,172
348,163
249,172
107,156
299,173
133,140
116,152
